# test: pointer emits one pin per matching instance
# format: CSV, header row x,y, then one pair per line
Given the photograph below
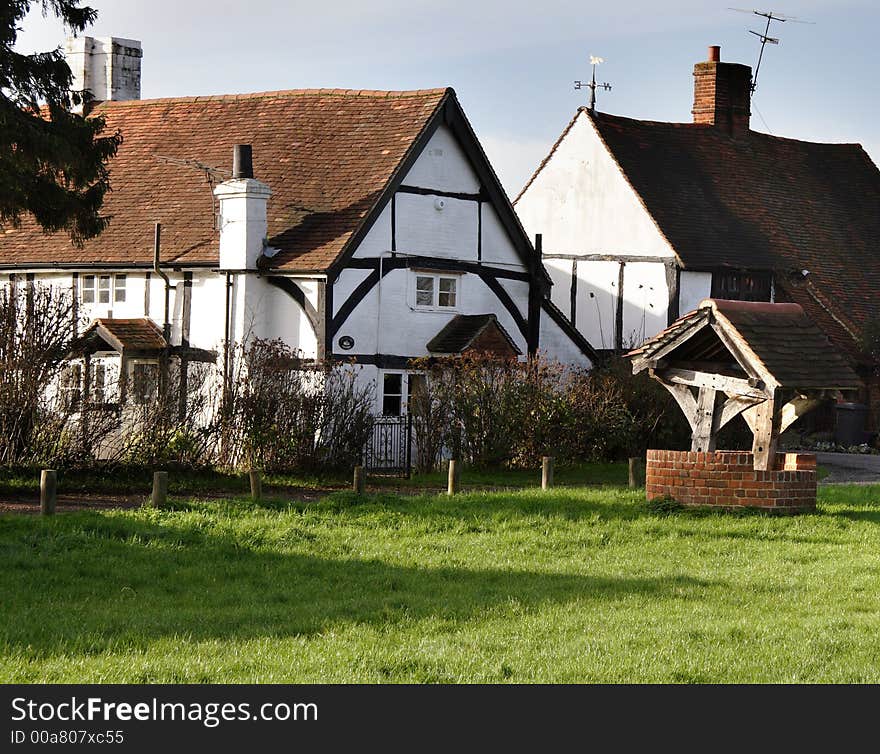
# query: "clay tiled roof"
x,y
140,334
762,202
326,154
782,339
464,331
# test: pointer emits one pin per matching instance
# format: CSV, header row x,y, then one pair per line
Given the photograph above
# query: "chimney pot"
x,y
715,54
242,161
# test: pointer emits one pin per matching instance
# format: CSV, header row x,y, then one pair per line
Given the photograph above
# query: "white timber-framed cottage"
x,y
642,220
357,226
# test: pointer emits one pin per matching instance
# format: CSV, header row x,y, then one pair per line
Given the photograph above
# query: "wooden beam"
x,y
724,383
794,410
685,399
703,436
765,433
733,407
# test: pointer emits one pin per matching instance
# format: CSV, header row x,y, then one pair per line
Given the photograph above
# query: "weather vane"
x,y
764,36
591,84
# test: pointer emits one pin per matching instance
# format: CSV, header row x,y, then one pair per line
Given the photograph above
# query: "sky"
x,y
512,63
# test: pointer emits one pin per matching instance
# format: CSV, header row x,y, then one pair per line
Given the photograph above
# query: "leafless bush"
x,y
36,329
280,412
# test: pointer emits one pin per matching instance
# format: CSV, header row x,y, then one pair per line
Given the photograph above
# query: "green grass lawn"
x,y
574,585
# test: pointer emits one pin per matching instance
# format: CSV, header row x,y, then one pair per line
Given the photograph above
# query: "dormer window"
x,y
436,291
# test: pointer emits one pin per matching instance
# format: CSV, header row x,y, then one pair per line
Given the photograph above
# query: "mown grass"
x,y
576,585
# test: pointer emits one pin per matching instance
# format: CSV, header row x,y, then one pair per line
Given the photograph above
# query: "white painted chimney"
x,y
243,224
109,67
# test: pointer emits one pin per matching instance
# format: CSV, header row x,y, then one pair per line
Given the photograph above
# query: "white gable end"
x,y
443,166
582,203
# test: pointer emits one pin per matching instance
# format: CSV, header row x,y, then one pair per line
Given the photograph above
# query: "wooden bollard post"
x,y
160,489
48,491
256,485
634,472
454,480
546,472
359,484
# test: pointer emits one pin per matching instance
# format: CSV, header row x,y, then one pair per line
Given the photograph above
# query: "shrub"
x,y
490,411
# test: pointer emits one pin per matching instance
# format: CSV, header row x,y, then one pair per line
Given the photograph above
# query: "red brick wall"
x,y
727,479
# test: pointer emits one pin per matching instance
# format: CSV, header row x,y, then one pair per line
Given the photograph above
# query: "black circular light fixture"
x,y
346,342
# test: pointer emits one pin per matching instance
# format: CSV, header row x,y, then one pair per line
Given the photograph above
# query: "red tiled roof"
x,y
781,336
140,334
760,202
463,330
327,154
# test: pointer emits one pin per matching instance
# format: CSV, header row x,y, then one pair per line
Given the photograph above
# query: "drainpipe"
x,y
166,326
226,335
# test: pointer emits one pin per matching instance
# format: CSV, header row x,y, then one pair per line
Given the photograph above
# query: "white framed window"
x,y
436,290
88,289
119,282
98,288
103,289
144,381
98,382
399,385
392,393
70,386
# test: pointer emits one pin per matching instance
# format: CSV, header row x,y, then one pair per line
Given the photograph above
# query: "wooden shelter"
x,y
767,362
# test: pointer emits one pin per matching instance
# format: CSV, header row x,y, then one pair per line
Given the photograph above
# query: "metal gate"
x,y
389,448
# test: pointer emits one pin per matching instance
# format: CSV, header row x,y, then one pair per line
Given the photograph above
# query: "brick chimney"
x,y
722,94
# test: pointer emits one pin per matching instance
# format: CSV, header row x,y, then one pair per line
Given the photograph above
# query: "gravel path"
x,y
850,468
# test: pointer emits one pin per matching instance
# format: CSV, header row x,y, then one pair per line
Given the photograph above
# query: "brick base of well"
x,y
727,479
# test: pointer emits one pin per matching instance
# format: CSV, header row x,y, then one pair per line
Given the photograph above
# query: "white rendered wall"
x,y
645,301
582,203
555,344
206,327
597,293
443,166
693,287
424,230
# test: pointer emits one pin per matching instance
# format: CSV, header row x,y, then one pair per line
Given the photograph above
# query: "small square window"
x,y
119,282
104,289
424,290
88,289
447,292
